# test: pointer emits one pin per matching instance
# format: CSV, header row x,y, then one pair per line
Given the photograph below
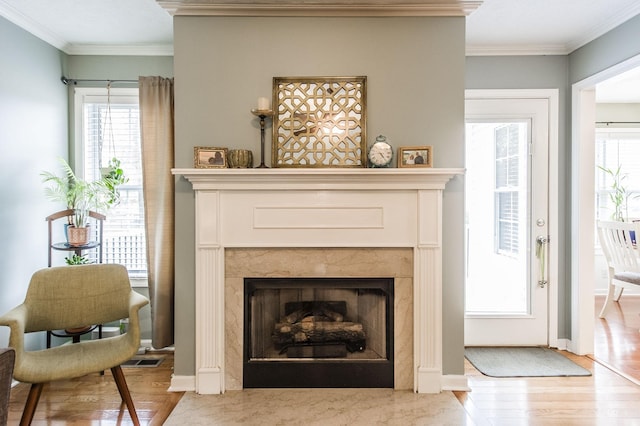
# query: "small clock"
x,y
380,153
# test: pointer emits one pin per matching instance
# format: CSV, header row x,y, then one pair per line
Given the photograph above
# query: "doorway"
x,y
511,274
582,203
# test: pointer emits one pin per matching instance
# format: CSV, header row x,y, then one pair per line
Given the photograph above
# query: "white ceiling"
x,y
143,27
543,26
86,27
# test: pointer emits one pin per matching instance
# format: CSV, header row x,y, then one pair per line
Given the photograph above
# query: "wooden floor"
x,y
606,398
94,399
617,339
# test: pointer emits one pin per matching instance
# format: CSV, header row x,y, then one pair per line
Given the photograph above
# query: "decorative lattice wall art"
x,y
319,122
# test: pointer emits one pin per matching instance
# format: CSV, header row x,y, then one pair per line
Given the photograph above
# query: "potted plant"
x,y
619,195
77,260
112,177
83,196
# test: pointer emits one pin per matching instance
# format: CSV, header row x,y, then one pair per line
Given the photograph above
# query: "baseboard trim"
x,y
563,344
453,382
182,384
450,382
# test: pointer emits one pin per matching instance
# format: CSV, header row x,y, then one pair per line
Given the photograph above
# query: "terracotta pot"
x,y
78,236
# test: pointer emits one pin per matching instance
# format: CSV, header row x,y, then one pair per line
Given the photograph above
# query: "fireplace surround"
x,y
318,223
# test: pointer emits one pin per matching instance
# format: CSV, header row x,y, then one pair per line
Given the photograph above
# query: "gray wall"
x,y
621,115
527,72
34,123
612,48
110,68
415,72
616,46
538,72
115,68
33,133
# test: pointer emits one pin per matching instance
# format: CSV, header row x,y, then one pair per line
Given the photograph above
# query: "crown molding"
x,y
13,15
621,16
120,50
618,19
27,24
515,50
364,8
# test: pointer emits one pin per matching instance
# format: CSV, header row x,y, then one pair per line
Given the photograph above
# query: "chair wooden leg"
x,y
121,382
618,295
608,301
31,404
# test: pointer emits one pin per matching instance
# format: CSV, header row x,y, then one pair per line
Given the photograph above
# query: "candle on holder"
x,y
263,104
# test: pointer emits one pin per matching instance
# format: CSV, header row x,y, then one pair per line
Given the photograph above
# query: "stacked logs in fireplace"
x,y
317,329
318,332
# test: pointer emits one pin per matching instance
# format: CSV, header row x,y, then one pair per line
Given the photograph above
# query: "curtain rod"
x,y
617,122
74,81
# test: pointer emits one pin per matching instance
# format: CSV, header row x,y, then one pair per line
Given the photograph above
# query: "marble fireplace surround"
x,y
318,222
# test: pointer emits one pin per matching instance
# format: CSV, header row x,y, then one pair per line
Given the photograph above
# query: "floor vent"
x,y
143,361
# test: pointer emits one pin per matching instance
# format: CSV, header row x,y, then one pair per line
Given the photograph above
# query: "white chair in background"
x,y
618,241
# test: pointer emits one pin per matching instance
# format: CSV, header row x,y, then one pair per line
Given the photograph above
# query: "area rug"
x,y
522,362
311,407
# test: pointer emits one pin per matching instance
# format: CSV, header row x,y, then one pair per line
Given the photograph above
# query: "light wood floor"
x,y
94,399
606,398
617,339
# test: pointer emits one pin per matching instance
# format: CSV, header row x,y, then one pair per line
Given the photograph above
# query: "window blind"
x,y
111,128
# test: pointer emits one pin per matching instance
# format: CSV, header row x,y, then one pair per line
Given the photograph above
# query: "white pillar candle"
x,y
263,104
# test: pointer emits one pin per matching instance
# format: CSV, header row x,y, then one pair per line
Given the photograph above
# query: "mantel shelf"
x,y
320,178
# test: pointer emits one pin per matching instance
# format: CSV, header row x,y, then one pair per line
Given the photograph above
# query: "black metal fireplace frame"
x,y
319,373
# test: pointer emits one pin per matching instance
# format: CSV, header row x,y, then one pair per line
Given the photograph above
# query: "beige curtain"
x,y
156,128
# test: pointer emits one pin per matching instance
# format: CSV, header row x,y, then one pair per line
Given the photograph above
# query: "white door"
x,y
506,219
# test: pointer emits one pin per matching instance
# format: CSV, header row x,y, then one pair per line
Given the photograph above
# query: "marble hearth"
x,y
318,223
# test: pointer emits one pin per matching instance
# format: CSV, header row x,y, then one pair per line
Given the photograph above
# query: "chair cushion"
x,y
74,359
628,277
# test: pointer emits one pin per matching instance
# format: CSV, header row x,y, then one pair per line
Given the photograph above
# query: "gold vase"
x,y
240,158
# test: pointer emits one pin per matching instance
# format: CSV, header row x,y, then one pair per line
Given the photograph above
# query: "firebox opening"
x,y
318,332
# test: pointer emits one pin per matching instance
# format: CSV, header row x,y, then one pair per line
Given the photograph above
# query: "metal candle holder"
x,y
262,114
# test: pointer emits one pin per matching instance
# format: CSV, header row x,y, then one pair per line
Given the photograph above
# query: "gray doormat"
x,y
522,362
143,361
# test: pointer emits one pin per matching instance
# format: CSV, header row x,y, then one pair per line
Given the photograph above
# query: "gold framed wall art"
x,y
319,122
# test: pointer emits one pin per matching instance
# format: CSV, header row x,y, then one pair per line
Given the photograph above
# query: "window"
x,y
618,148
109,126
507,188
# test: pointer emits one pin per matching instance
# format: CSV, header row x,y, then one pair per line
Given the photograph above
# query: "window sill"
x,y
139,282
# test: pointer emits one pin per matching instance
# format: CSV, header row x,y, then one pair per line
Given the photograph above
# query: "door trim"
x,y
552,96
582,204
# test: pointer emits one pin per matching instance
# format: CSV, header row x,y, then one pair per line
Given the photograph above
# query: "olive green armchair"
x,y
69,297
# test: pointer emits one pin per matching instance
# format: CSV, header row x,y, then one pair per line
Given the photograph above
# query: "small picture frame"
x,y
415,156
208,157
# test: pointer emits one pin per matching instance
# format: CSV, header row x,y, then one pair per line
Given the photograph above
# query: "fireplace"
x,y
318,332
306,223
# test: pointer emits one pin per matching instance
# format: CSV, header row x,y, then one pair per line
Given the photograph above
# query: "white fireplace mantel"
x,y
322,178
304,207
